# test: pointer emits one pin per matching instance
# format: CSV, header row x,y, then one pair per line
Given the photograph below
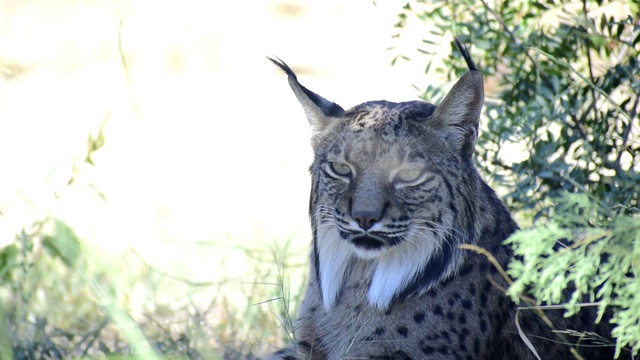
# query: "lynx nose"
x,y
365,219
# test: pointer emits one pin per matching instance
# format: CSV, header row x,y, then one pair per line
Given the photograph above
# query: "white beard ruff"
x,y
393,269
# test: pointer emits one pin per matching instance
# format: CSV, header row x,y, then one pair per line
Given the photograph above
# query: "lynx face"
x,y
381,180
384,194
391,189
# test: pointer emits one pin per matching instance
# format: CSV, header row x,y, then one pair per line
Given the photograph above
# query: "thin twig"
x,y
490,257
93,335
511,34
565,64
587,44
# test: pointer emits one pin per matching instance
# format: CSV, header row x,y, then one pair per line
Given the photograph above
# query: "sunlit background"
x,y
206,149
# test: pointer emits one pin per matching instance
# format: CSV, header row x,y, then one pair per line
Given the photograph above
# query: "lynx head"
x,y
393,185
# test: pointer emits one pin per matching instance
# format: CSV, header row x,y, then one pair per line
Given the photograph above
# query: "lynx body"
x,y
394,193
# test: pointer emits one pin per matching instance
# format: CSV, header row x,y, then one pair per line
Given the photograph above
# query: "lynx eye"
x,y
408,177
340,169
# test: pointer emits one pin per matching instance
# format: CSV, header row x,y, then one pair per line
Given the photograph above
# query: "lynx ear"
x,y
459,112
319,110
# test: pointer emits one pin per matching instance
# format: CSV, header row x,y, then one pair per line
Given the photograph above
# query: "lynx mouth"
x,y
367,242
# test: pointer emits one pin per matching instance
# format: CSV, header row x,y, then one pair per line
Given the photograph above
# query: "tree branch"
x,y
511,34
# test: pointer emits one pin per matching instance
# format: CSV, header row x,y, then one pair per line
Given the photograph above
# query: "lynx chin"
x,y
394,193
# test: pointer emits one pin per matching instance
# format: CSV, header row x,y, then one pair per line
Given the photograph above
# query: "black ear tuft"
x,y
283,66
465,54
327,107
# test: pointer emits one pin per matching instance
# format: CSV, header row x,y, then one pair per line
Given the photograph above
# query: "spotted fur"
x,y
394,193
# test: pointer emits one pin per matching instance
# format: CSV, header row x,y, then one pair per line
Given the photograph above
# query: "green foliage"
x,y
8,261
52,302
593,258
563,86
64,244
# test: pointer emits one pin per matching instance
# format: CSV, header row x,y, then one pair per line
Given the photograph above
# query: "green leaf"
x,y
64,244
8,259
539,5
